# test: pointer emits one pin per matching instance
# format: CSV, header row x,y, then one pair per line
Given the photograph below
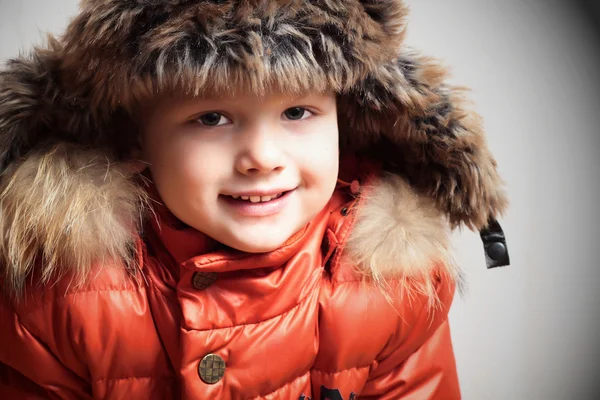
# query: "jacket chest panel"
x,y
262,323
212,301
259,358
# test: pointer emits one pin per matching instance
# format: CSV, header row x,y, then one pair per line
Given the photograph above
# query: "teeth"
x,y
257,199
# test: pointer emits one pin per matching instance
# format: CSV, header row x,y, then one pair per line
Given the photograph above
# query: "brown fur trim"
x,y
64,210
83,86
400,235
223,46
428,132
115,54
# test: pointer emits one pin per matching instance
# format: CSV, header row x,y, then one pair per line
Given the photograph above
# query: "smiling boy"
x,y
212,159
240,199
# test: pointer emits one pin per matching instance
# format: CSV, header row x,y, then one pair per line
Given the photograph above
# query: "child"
x,y
234,199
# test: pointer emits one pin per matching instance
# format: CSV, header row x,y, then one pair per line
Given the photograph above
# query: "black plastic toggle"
x,y
494,244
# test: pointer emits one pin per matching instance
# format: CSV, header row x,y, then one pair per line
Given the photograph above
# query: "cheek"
x,y
183,165
318,155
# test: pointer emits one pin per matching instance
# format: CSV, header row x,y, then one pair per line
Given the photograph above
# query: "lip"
x,y
260,193
260,209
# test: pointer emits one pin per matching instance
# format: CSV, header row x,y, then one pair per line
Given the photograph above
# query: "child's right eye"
x,y
213,119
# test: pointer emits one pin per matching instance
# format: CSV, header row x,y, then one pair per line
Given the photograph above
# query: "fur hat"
x,y
82,88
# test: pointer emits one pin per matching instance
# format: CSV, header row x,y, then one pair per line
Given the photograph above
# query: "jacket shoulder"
x,y
374,338
102,277
94,332
391,280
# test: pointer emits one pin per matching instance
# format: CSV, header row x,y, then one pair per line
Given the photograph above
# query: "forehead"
x,y
180,98
231,81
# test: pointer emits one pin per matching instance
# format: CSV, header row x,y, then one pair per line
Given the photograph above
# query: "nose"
x,y
261,151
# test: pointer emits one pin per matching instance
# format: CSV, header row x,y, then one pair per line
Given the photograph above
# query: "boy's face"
x,y
248,171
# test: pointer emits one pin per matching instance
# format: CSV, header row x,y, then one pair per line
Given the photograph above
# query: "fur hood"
x,y
67,199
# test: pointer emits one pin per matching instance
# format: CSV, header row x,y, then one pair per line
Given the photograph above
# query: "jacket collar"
x,y
195,250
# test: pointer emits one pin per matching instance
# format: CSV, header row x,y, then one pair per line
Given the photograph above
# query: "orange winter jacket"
x,y
197,321
100,298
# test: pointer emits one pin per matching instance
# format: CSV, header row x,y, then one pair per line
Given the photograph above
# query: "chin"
x,y
256,247
254,240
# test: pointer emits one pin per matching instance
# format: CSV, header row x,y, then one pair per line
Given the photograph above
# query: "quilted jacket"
x,y
106,294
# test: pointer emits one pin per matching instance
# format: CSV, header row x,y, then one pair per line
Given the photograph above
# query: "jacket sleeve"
x,y
29,369
418,363
96,340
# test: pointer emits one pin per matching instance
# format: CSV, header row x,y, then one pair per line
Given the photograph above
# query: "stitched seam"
x,y
412,328
63,298
304,374
157,289
167,298
147,277
248,324
359,280
321,371
131,378
38,338
281,387
254,323
98,290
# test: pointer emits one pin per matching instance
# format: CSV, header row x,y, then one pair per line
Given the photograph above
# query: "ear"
x,y
136,166
136,163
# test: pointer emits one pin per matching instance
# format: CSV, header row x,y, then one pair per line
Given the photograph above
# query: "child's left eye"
x,y
213,119
297,113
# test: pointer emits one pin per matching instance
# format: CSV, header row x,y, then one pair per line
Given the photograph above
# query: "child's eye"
x,y
296,113
213,119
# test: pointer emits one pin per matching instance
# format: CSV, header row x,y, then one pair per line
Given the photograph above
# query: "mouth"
x,y
258,204
257,198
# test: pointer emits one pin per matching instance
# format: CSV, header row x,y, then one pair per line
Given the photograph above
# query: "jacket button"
x,y
202,280
211,369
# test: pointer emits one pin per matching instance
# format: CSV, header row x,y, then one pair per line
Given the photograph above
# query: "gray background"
x,y
528,331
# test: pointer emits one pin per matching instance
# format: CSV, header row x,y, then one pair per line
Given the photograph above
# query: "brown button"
x,y
211,369
202,280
